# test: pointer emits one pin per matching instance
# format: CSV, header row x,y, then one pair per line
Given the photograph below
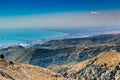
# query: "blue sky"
x,y
22,7
57,13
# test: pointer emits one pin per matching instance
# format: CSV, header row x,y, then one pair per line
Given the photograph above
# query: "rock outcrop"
x,y
105,66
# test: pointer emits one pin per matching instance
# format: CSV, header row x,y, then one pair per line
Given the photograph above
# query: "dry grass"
x,y
77,67
112,59
20,71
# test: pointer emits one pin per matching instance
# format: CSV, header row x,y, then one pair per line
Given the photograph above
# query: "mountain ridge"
x,y
74,58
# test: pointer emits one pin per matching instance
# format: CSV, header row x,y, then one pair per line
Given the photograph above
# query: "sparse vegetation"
x,y
11,62
75,59
20,71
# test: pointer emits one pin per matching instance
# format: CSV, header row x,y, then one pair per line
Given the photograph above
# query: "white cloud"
x,y
60,20
94,13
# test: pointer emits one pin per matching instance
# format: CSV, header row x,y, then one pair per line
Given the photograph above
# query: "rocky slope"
x,y
92,58
18,71
105,66
47,57
72,50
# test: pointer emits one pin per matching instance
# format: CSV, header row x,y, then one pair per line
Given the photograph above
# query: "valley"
x,y
95,57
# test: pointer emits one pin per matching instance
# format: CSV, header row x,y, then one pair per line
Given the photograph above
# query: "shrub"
x,y
11,62
2,56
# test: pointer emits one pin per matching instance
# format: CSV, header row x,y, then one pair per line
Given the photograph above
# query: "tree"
x,y
2,56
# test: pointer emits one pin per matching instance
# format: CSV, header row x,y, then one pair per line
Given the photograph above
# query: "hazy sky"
x,y
59,13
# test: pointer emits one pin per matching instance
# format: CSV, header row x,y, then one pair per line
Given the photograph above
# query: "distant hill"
x,y
88,41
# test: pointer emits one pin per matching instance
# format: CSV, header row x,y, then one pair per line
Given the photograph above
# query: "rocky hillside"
x,y
8,51
92,58
18,71
47,57
73,50
105,66
44,57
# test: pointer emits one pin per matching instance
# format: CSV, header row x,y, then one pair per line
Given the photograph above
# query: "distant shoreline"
x,y
57,34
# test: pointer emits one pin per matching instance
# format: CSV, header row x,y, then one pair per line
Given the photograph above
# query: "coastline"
x,y
38,38
60,35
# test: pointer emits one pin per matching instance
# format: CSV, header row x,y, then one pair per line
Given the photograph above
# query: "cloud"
x,y
94,13
69,19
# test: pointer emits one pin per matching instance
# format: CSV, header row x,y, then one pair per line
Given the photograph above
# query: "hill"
x,y
47,57
105,66
91,58
72,50
87,41
18,71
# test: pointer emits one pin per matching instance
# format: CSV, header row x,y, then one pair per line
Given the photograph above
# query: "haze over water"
x,y
8,37
15,36
58,18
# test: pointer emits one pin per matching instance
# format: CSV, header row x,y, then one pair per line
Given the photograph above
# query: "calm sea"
x,y
14,36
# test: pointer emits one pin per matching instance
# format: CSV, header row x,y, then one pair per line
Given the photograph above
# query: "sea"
x,y
20,36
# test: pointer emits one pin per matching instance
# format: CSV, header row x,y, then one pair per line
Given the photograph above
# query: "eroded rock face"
x,y
5,75
103,74
94,72
117,75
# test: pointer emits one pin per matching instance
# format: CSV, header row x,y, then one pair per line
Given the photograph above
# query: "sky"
x,y
59,13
